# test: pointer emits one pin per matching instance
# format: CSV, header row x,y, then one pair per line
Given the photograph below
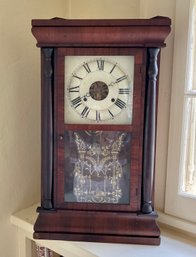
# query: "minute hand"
x,y
121,78
118,80
86,95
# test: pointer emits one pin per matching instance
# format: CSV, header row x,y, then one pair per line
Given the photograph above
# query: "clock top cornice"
x,y
58,32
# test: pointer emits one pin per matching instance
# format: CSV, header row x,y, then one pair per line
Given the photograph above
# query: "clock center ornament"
x,y
99,86
98,90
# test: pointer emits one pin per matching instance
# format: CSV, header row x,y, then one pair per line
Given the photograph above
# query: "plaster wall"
x,y
104,9
19,111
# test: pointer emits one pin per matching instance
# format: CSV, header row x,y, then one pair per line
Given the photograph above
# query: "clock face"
x,y
98,89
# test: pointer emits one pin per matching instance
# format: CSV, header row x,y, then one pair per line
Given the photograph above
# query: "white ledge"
x,y
172,244
186,226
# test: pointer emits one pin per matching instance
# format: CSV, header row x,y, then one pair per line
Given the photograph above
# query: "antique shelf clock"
x,y
99,103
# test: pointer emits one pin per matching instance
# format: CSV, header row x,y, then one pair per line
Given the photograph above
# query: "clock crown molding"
x,y
64,32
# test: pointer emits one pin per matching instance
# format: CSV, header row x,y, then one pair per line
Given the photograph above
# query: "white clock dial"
x,y
98,89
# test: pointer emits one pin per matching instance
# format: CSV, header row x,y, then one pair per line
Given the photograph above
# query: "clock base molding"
x,y
108,227
96,238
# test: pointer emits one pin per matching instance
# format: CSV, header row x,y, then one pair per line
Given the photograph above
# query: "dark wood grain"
x,y
47,128
60,22
150,131
80,225
121,33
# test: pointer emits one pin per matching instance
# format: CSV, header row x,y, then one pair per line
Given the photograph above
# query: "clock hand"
x,y
118,80
112,84
85,96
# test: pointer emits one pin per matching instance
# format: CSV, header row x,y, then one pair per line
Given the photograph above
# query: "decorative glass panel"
x,y
98,170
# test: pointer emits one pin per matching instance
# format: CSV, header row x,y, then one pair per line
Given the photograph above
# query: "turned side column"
x,y
150,132
47,128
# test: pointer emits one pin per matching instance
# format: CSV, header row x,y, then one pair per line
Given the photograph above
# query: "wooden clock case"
x,y
132,223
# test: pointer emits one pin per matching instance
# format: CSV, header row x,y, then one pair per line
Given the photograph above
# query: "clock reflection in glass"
x,y
99,90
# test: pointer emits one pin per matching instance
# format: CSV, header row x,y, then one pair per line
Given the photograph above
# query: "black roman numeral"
x,y
87,68
123,91
120,103
113,68
77,102
98,117
85,112
111,114
121,78
74,89
100,64
76,76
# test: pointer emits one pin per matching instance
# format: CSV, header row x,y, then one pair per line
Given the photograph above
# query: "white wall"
x,y
19,111
103,9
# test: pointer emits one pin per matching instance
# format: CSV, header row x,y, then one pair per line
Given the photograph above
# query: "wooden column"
x,y
47,128
150,132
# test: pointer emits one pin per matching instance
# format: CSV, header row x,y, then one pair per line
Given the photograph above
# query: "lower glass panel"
x,y
97,167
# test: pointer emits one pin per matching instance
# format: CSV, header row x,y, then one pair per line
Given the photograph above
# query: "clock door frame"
x,y
135,129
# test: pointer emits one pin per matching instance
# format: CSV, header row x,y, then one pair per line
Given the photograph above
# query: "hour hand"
x,y
112,84
118,80
85,96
